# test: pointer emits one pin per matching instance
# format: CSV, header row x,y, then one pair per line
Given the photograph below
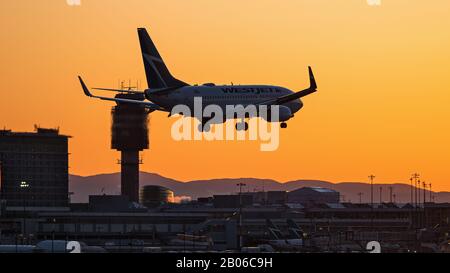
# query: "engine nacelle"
x,y
284,114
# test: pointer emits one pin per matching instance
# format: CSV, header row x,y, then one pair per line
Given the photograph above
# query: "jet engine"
x,y
285,113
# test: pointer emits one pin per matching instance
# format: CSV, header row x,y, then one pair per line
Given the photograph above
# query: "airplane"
x,y
165,91
295,232
277,241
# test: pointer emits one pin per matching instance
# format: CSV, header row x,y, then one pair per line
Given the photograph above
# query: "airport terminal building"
x,y
34,206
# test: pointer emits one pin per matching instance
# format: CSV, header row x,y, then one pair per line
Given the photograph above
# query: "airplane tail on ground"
x,y
158,76
274,231
295,232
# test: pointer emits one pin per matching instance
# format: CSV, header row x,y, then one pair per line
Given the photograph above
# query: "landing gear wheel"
x,y
283,125
242,126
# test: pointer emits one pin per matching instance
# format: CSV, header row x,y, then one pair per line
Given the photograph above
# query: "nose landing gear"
x,y
283,125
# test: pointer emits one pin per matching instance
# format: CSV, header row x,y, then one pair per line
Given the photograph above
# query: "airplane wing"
x,y
297,95
146,104
156,91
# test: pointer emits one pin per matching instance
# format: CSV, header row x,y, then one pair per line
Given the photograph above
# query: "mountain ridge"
x,y
109,183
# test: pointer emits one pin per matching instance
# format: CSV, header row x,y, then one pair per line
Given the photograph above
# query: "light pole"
x,y
431,194
381,195
414,177
371,177
411,187
418,192
53,235
424,192
424,222
240,185
23,187
391,189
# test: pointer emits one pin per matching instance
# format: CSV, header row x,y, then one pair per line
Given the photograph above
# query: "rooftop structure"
x,y
313,195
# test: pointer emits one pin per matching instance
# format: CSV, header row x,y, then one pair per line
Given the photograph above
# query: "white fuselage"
x,y
223,95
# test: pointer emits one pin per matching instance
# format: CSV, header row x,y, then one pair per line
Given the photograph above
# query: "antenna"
x,y
128,87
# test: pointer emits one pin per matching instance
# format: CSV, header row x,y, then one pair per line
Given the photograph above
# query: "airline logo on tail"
x,y
158,75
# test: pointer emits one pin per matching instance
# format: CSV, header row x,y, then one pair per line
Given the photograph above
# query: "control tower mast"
x,y
129,135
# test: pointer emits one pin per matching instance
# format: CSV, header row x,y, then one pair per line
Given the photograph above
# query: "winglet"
x,y
312,79
85,89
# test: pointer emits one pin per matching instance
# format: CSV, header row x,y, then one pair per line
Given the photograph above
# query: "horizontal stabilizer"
x,y
148,105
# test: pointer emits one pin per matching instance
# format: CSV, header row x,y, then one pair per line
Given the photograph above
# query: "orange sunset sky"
x,y
383,76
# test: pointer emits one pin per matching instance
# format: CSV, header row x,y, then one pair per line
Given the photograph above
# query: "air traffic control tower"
x,y
129,135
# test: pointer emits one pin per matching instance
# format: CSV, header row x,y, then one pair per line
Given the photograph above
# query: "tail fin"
x,y
295,232
274,231
158,76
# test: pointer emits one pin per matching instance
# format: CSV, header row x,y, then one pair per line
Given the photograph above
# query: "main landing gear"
x,y
283,125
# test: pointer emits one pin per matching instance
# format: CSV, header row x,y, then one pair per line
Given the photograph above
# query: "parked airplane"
x,y
295,232
165,91
277,241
